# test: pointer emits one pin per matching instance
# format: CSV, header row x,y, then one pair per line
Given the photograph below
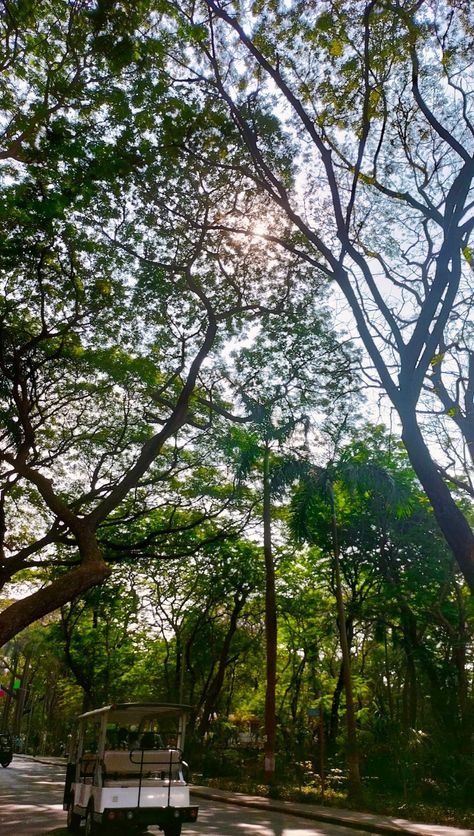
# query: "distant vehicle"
x,y
6,748
126,768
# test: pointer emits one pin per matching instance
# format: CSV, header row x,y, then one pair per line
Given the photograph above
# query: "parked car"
x,y
126,768
6,748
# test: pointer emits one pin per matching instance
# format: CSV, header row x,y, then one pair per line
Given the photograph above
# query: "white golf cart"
x,y
126,770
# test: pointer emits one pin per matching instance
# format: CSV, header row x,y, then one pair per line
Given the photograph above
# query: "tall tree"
x,y
324,484
292,367
116,287
379,97
383,555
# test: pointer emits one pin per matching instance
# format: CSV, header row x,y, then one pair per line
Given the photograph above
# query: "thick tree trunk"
x,y
91,571
460,645
449,517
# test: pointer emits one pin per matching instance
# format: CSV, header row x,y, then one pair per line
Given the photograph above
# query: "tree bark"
x,y
452,522
91,571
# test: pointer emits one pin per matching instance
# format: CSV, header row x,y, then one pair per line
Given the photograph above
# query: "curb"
x,y
347,818
57,761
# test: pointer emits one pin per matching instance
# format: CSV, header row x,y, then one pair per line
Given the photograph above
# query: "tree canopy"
x,y
377,101
117,286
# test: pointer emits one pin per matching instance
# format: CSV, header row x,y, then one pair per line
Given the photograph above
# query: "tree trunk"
x,y
9,696
215,686
335,703
352,746
21,695
270,628
91,571
460,645
388,677
449,517
410,692
411,645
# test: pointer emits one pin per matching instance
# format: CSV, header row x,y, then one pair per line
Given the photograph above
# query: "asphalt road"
x,y
31,805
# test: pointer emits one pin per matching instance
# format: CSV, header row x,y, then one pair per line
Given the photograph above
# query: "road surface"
x,y
31,805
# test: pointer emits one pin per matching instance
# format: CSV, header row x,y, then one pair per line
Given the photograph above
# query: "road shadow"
x,y
58,831
63,831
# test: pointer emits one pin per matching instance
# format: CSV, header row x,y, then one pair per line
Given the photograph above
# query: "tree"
x,y
194,609
41,699
379,97
292,367
101,635
390,552
116,285
255,450
324,484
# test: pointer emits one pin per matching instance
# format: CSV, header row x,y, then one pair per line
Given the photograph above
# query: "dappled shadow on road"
x,y
26,819
63,831
216,819
58,831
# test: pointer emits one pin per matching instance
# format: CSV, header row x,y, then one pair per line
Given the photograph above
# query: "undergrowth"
x,y
370,801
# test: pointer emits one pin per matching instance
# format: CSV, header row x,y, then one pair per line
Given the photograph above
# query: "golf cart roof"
x,y
132,712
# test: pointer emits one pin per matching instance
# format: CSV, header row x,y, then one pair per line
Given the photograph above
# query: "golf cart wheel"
x,y
172,829
73,819
91,828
